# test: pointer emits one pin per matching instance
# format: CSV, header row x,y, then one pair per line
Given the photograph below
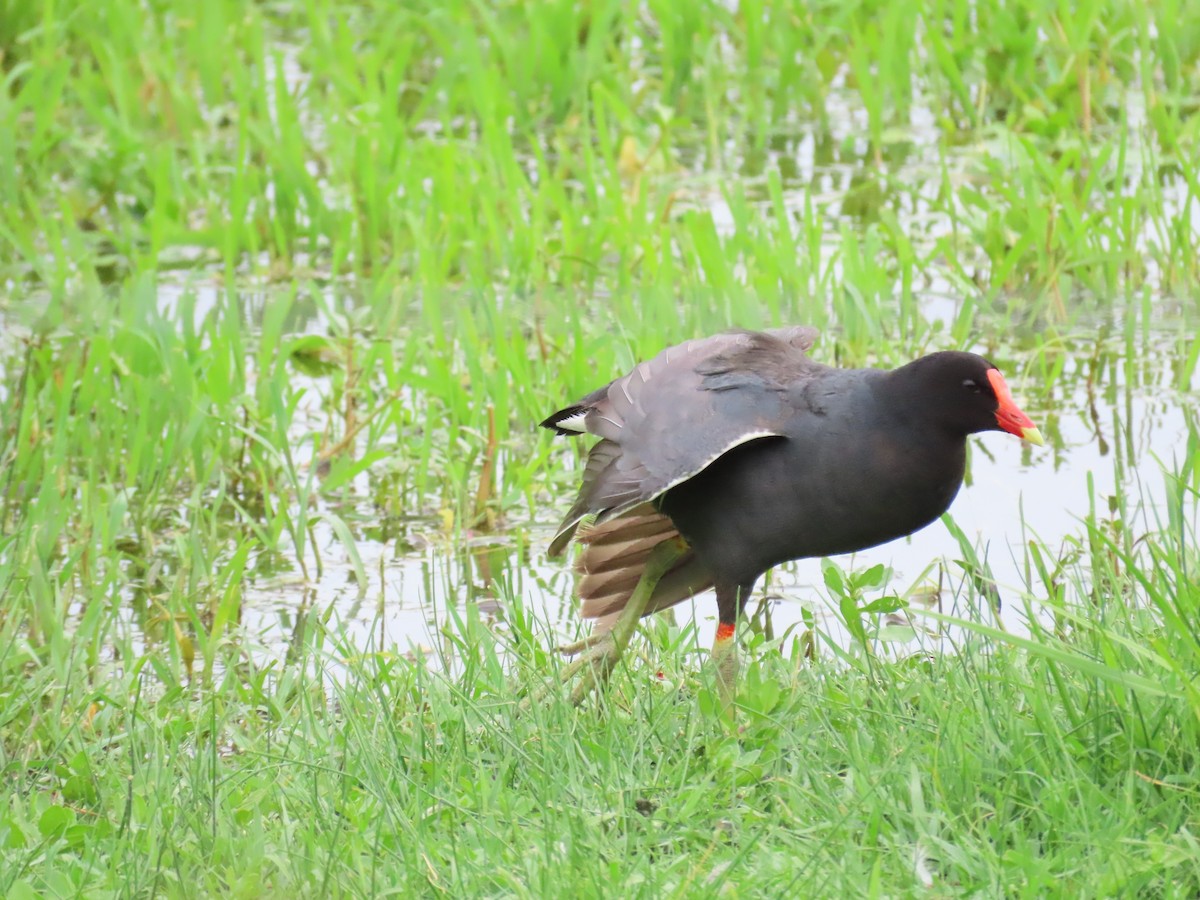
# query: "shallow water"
x,y
1015,492
1102,443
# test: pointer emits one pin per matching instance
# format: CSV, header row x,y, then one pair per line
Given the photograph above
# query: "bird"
x,y
724,456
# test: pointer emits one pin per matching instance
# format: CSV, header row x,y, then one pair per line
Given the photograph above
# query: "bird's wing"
x,y
674,415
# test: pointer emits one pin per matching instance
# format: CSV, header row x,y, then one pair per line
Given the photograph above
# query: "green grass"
x,y
278,275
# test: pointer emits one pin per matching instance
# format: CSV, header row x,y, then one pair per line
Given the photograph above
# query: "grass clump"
x,y
991,770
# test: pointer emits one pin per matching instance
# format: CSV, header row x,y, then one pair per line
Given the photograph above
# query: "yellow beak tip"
x,y
1033,436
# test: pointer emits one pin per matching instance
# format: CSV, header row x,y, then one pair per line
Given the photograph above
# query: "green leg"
x,y
601,652
725,659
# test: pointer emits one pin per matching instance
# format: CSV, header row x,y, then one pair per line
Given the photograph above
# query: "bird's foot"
x,y
584,644
598,656
600,651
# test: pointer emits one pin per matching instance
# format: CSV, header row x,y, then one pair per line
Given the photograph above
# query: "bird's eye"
x,y
973,386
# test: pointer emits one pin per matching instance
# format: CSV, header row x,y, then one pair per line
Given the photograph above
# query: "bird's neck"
x,y
903,402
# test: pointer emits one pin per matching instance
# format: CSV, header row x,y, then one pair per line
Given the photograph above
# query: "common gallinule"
x,y
722,457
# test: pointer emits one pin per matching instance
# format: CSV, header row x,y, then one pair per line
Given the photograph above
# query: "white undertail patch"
x,y
576,423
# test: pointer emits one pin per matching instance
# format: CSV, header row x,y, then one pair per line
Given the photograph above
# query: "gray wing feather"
x,y
674,415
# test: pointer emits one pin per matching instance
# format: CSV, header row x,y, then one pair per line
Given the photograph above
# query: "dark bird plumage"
x,y
756,454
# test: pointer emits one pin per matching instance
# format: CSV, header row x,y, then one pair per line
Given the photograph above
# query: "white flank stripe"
x,y
744,439
613,512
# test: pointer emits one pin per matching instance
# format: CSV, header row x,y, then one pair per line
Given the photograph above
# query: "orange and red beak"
x,y
1008,416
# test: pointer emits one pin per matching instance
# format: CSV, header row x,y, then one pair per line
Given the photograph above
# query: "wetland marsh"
x,y
285,288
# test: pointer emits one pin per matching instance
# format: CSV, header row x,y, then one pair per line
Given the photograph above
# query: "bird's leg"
x,y
600,652
725,649
582,644
725,660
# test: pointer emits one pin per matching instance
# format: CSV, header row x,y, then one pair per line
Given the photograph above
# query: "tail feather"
x,y
614,556
688,578
621,542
